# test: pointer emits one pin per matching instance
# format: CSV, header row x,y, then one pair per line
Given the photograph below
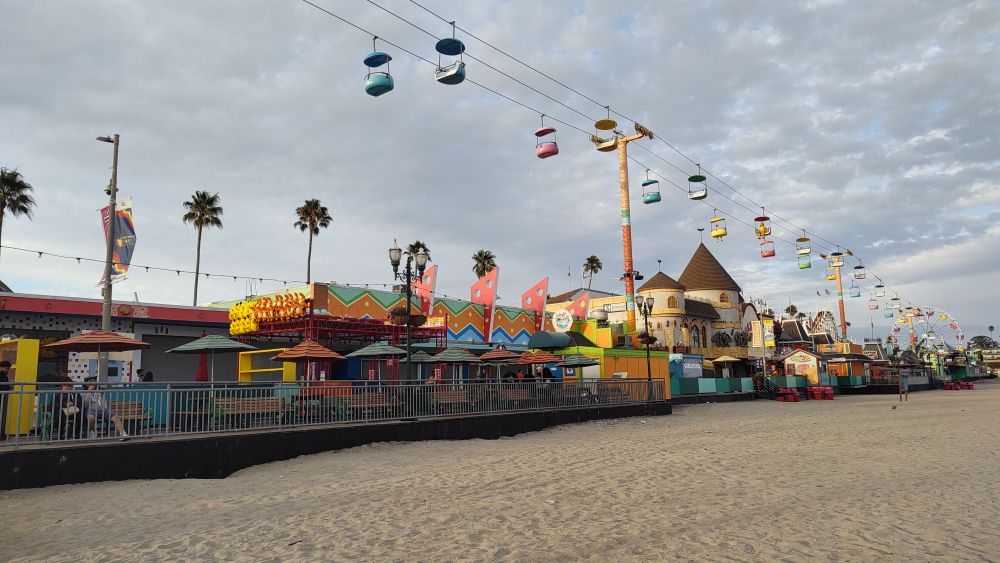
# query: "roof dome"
x,y
661,281
705,272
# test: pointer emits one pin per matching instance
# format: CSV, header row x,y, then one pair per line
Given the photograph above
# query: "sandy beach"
x,y
847,480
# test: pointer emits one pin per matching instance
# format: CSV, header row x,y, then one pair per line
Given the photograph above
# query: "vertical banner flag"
x,y
124,244
424,288
534,300
768,333
484,292
757,336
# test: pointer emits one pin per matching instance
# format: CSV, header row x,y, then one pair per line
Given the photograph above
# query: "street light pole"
x,y
407,276
102,357
645,307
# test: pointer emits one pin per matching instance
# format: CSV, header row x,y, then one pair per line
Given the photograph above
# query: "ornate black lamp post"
x,y
407,276
645,308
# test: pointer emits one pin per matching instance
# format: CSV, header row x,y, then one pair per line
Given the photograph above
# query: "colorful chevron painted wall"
x,y
512,325
357,303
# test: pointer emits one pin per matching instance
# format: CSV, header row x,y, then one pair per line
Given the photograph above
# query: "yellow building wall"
x,y
23,357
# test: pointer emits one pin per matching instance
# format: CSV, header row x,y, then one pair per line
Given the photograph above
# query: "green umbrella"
x,y
578,361
211,344
378,349
422,357
455,356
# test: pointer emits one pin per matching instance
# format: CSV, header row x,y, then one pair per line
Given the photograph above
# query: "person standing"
x,y
4,389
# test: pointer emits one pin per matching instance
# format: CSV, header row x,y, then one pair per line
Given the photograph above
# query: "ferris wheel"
x,y
929,328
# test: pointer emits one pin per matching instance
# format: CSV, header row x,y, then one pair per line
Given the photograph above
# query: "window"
x,y
695,338
671,302
723,297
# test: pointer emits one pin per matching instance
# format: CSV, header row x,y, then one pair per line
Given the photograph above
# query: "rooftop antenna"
x,y
659,265
701,234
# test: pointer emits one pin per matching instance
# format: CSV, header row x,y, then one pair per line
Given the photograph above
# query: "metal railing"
x,y
48,414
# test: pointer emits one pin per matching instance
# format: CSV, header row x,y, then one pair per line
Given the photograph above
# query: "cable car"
x,y
895,303
377,82
859,272
545,149
804,262
831,276
887,313
802,247
766,249
763,228
650,190
455,72
873,304
880,290
698,178
855,290
718,225
606,124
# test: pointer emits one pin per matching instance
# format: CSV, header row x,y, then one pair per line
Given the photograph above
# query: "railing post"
x,y
169,408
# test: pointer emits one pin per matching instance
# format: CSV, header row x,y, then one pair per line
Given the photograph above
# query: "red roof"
x,y
51,305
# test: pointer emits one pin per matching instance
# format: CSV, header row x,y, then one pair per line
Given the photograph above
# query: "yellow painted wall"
x,y
23,357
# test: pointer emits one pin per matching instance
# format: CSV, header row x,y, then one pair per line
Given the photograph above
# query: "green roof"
x,y
455,356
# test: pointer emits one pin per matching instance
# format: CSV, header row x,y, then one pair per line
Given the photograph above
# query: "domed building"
x,y
701,312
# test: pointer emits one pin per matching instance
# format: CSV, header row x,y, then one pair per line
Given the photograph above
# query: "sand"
x,y
845,480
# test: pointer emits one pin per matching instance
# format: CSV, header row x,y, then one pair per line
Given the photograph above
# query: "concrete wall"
x,y
219,455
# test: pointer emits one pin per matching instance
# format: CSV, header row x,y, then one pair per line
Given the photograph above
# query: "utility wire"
x,y
581,130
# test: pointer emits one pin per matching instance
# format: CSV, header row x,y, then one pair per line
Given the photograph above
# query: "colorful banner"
x,y
768,333
756,335
124,243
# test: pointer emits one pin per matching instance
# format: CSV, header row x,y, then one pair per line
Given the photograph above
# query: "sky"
x,y
871,124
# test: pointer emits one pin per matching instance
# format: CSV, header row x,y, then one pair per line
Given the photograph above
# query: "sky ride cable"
x,y
557,120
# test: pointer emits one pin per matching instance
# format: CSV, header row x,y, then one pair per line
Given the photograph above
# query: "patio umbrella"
x,y
422,357
307,352
455,356
499,356
377,351
724,360
212,343
98,341
538,358
578,361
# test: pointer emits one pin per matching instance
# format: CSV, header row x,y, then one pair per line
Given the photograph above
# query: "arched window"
x,y
671,302
704,336
723,297
695,337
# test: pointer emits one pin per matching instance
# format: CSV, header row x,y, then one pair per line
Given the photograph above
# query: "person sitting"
x,y
96,408
147,377
66,407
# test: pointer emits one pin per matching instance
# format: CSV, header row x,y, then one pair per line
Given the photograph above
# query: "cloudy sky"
x,y
872,124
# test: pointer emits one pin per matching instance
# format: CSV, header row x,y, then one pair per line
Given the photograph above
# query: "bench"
x,y
966,385
515,395
129,410
247,407
450,398
367,403
951,386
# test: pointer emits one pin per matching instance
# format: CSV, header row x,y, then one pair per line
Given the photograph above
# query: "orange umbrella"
x,y
538,358
98,341
499,355
307,351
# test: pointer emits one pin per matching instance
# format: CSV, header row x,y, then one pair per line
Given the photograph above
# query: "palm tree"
x,y
203,210
416,246
791,311
591,267
14,196
313,216
483,261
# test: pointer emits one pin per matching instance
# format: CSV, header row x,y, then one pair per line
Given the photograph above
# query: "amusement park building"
x,y
702,312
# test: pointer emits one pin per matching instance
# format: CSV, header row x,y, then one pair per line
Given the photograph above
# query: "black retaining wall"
x,y
215,456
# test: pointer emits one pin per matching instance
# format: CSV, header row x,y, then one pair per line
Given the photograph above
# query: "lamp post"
x,y
102,358
645,307
407,276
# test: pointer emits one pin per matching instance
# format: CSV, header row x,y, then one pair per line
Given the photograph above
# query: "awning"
x,y
546,340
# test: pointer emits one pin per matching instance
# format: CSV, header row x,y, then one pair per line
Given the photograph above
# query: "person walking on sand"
x,y
904,386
